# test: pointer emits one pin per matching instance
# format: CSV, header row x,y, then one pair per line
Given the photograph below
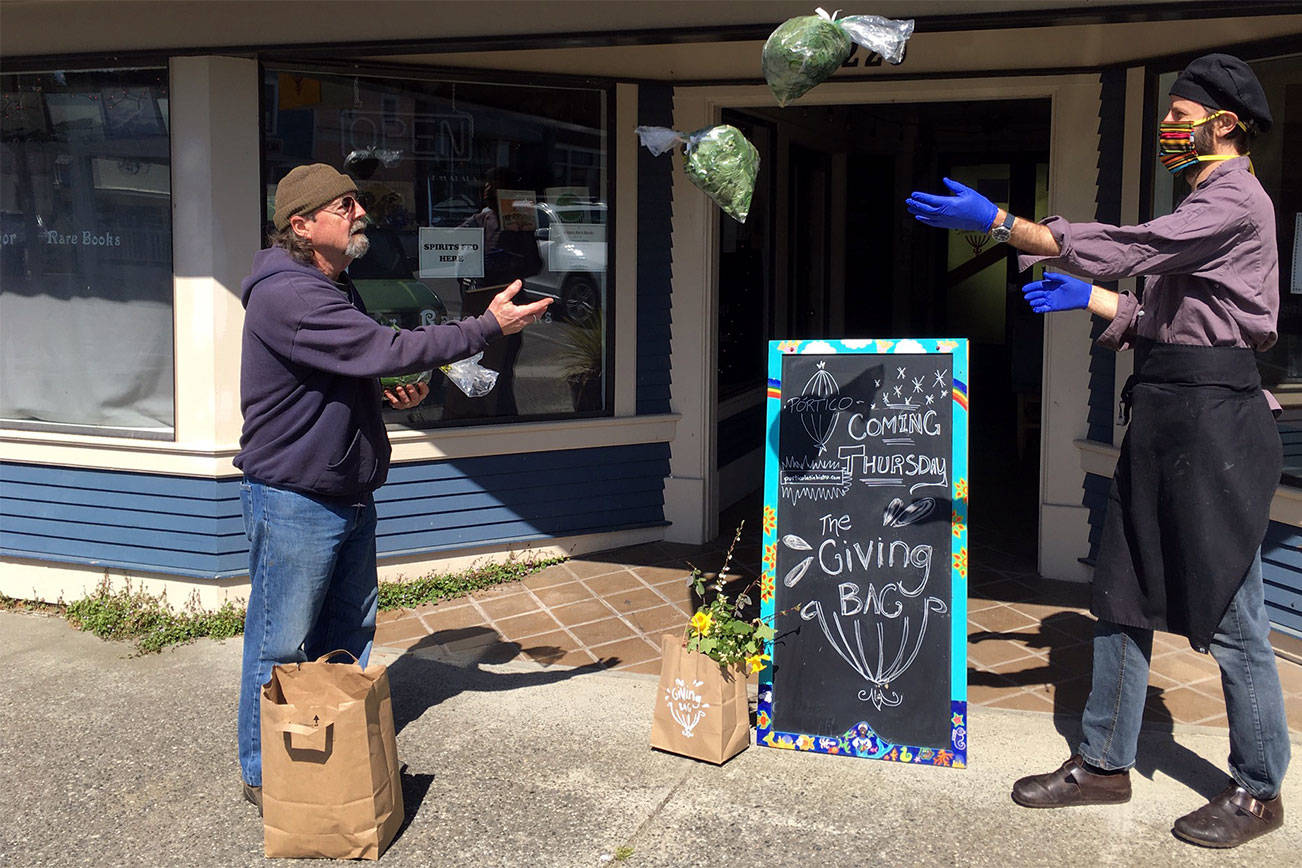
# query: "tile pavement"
x,y
1028,637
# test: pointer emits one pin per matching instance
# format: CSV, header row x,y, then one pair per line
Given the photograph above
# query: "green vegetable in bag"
x,y
805,51
801,53
724,164
719,160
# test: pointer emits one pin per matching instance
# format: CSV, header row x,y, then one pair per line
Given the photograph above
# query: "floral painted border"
x,y
860,740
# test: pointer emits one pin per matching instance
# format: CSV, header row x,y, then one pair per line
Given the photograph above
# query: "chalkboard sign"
x,y
864,573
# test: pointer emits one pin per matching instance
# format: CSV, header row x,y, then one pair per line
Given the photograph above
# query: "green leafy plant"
x,y
136,615
718,629
441,586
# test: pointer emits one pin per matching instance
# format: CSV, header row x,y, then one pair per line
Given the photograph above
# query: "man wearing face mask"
x,y
314,446
1190,501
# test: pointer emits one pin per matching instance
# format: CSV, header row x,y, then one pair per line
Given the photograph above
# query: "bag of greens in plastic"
x,y
805,51
718,159
470,377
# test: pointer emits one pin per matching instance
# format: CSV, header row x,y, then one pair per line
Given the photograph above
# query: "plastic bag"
x,y
805,51
470,377
718,159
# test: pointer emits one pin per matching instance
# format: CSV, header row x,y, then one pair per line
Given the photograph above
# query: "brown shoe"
x,y
1230,819
1072,784
254,796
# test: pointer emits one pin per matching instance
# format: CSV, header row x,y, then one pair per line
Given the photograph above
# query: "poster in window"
x,y
515,209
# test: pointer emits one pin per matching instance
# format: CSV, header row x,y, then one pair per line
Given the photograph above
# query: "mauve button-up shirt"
x,y
1213,266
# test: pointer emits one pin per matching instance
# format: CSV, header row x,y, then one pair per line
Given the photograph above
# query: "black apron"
x,y
1190,500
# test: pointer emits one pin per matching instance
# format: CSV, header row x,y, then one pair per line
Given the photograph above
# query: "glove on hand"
x,y
966,210
1057,292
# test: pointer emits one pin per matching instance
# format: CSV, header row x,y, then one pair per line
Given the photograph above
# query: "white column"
x,y
216,229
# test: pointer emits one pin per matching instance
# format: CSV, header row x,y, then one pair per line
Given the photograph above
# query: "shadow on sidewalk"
x,y
1067,672
446,663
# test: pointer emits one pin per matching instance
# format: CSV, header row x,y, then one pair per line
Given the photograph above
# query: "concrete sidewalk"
x,y
115,760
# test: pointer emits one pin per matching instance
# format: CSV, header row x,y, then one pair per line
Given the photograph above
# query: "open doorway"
x,y
829,251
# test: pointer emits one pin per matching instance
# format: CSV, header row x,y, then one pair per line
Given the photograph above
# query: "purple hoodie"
x,y
309,387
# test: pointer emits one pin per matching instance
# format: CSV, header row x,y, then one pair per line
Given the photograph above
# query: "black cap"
x,y
1221,81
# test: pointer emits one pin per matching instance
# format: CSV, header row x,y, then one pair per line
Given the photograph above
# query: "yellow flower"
x,y
702,621
957,521
766,586
756,661
960,489
770,556
770,519
960,562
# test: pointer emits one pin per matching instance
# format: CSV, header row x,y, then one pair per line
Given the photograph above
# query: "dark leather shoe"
x,y
1072,784
254,796
1230,819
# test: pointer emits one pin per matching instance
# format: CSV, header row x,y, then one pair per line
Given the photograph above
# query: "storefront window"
x,y
1275,158
469,186
86,253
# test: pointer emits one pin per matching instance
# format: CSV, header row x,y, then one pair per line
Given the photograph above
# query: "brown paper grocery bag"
x,y
330,781
701,709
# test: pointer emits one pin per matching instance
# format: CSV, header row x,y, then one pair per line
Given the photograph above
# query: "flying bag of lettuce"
x,y
805,51
718,159
723,163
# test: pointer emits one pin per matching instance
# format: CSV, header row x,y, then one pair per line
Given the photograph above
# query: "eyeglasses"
x,y
347,205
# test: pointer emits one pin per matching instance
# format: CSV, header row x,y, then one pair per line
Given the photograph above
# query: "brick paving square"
x,y
631,601
509,605
612,583
451,618
995,651
649,667
610,629
391,632
629,651
1023,702
522,626
658,575
559,595
557,574
581,612
549,647
585,569
1186,666
661,619
1003,619
1181,705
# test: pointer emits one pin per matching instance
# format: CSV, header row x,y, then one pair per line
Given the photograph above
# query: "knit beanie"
x,y
307,188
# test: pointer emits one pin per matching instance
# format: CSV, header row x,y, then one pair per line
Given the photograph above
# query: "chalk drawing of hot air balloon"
x,y
817,415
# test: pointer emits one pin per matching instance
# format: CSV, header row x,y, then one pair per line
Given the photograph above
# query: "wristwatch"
x,y
1003,231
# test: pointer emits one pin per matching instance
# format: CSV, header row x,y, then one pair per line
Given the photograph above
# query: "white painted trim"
x,y
625,276
1101,460
142,456
40,580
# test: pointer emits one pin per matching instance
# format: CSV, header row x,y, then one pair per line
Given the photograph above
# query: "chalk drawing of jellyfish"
x,y
819,419
846,635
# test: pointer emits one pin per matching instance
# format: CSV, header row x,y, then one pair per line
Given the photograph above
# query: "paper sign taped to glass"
x,y
457,252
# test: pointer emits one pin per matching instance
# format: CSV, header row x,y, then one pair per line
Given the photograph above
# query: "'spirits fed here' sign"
x,y
455,252
864,572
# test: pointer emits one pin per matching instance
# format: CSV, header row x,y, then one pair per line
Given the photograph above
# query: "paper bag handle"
x,y
325,658
309,736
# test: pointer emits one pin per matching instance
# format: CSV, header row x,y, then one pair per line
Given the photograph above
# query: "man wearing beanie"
x,y
1190,501
314,446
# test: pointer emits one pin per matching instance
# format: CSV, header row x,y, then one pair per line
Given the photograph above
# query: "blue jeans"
x,y
1254,702
314,589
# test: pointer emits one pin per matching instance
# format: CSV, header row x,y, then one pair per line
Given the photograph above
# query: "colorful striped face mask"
x,y
1175,145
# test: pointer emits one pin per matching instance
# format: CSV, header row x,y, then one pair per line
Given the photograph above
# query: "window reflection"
x,y
469,186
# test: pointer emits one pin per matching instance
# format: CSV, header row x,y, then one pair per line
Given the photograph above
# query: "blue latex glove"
x,y
1057,292
966,210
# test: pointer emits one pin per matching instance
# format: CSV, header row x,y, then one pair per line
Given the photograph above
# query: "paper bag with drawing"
x,y
701,709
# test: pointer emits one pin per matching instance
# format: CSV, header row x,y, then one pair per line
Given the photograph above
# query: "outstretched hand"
x,y
966,210
1057,292
514,317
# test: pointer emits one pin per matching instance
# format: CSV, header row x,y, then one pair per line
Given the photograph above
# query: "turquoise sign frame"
x,y
860,740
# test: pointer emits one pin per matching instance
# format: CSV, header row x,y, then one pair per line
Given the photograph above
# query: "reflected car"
x,y
572,244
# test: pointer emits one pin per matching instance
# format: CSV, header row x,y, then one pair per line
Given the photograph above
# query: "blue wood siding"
x,y
193,527
1107,209
655,107
1281,567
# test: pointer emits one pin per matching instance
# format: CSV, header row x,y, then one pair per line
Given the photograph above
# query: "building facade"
x,y
141,144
